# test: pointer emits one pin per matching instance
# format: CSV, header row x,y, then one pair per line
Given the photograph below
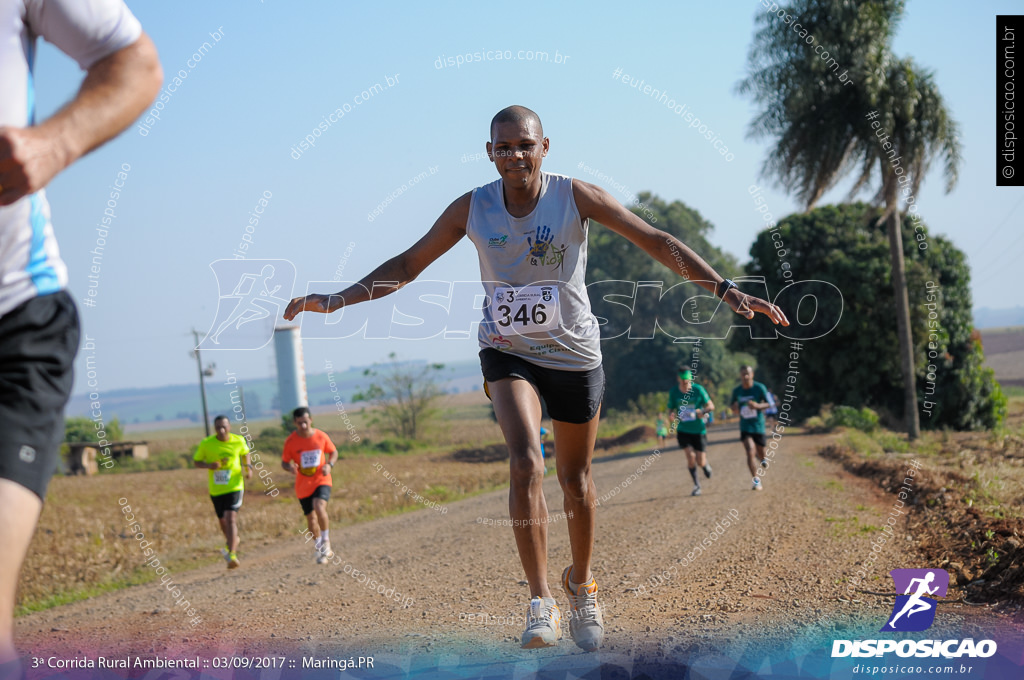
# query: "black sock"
x,y
693,473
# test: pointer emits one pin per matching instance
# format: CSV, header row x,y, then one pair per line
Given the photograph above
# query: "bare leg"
x,y
320,510
19,512
517,406
575,451
748,446
229,525
312,525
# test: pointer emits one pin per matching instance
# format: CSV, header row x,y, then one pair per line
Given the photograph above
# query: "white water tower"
x,y
291,371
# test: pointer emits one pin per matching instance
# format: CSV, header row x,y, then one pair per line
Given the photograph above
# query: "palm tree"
x,y
821,129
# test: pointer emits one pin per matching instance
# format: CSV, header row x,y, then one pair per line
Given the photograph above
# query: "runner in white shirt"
x,y
539,338
38,320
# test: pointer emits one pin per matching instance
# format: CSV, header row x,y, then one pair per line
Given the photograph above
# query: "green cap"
x,y
686,375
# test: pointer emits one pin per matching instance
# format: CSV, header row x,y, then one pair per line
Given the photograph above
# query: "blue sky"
x,y
225,138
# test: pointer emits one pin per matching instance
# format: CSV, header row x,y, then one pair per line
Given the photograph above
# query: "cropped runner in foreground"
x,y
38,320
540,339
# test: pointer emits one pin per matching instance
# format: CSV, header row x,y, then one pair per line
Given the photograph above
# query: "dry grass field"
x,y
83,546
1004,353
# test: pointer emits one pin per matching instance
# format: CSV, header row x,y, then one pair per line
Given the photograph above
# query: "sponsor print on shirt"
x,y
543,251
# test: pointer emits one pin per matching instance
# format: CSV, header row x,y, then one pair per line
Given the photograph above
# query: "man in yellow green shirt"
x,y
224,454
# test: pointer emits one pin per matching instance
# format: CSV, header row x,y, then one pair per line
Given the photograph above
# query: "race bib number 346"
x,y
527,310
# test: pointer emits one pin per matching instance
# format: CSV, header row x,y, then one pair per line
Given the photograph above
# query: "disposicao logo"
x,y
914,611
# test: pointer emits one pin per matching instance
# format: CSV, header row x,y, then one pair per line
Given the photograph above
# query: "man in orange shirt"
x,y
309,454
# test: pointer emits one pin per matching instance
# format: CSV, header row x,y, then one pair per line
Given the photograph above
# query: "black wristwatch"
x,y
724,288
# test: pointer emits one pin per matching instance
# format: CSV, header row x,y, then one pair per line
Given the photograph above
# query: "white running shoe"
x,y
757,485
543,624
586,624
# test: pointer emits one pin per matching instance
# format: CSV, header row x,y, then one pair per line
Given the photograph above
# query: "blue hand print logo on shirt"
x,y
539,247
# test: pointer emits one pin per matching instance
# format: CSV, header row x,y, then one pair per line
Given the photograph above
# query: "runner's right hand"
x,y
314,302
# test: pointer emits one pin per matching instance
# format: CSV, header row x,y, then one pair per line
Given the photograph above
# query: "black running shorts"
x,y
38,341
571,396
322,491
757,437
227,501
698,442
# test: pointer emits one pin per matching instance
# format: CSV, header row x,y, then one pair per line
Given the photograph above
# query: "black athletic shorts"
x,y
38,341
571,396
322,491
758,437
227,501
699,442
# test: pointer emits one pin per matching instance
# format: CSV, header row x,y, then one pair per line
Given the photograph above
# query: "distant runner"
x,y
539,338
661,429
771,414
224,454
689,403
750,399
310,455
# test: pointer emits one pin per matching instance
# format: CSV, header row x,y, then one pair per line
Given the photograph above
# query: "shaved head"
x,y
516,114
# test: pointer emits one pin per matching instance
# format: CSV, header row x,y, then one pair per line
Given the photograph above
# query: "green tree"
x,y
886,116
639,365
847,246
404,395
78,429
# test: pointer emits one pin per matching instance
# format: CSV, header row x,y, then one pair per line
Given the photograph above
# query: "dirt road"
x,y
778,572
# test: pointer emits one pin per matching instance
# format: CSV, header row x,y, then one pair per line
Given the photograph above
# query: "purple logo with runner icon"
x,y
914,610
253,295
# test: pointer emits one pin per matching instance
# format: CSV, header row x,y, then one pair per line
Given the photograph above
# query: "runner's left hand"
x,y
314,302
747,305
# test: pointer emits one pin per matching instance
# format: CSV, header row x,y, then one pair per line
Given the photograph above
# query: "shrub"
x,y
863,419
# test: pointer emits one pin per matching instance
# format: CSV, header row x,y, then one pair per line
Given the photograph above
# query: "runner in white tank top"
x,y
539,339
38,322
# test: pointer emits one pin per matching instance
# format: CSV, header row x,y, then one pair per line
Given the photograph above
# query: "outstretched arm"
x,y
596,203
396,272
116,90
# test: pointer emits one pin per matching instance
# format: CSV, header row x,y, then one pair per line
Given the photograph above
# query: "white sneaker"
x,y
543,624
586,624
757,485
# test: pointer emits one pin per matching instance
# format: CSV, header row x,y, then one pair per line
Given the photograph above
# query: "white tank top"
x,y
533,270
87,31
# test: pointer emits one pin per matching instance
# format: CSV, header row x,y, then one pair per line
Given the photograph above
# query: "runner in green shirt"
x,y
224,454
749,400
687,404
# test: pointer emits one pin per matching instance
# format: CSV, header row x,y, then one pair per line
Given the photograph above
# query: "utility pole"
x,y
202,382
